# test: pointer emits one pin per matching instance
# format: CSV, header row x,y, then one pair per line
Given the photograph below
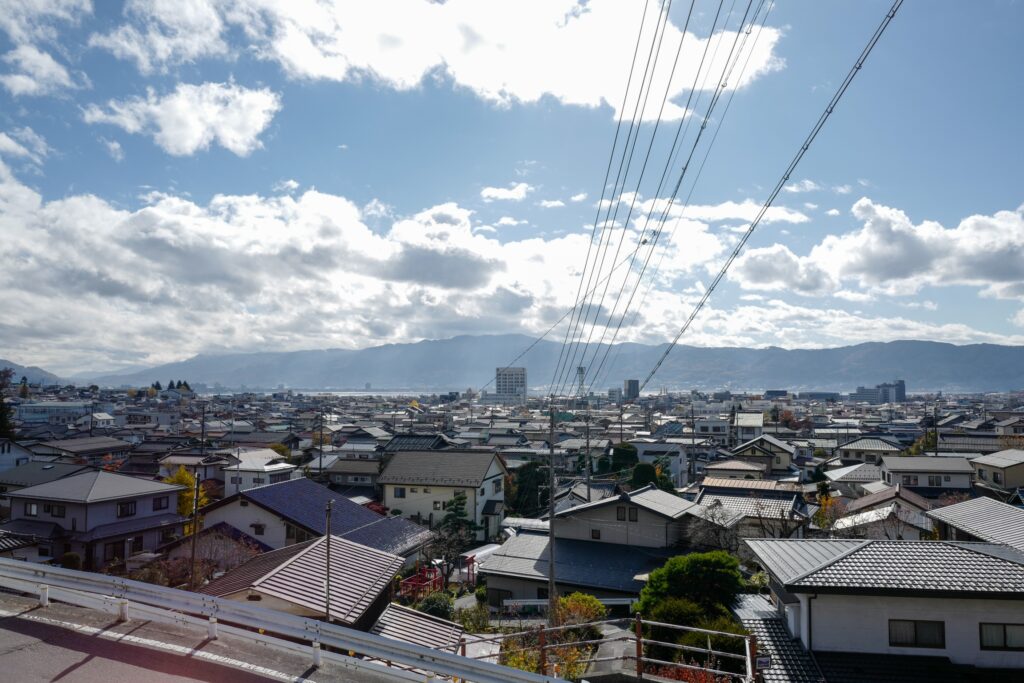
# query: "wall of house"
x,y
249,479
242,518
956,481
425,500
79,517
1010,477
858,623
511,588
649,531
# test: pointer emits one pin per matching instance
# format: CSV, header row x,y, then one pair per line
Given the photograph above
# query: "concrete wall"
x,y
859,623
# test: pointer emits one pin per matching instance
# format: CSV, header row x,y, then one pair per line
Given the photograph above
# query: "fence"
x,y
278,629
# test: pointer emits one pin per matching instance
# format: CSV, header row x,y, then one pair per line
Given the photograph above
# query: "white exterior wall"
x,y
649,531
956,481
242,518
859,623
248,478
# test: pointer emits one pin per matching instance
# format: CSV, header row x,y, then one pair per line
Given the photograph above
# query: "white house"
x,y
253,467
928,475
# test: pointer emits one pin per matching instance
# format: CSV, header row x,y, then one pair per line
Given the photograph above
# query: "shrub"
x,y
708,579
475,619
721,643
71,561
581,608
481,594
437,604
677,611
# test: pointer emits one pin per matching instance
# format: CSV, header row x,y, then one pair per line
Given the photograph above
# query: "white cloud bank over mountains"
x,y
90,283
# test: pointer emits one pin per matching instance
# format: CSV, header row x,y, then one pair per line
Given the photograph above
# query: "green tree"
x,y
925,444
643,474
183,477
23,389
455,533
437,604
623,457
710,579
6,425
603,465
722,623
529,492
157,386
281,450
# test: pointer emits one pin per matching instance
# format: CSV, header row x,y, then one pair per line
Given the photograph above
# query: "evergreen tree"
x,y
23,389
156,385
6,425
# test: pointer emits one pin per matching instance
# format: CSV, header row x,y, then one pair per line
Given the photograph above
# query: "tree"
x,y
455,533
23,389
157,386
183,477
6,425
643,474
437,604
529,493
722,623
775,413
709,579
281,450
924,444
624,457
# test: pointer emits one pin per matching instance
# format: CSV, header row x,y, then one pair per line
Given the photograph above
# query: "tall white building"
x,y
510,384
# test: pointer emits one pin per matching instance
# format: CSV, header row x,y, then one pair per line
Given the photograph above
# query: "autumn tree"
x,y
182,477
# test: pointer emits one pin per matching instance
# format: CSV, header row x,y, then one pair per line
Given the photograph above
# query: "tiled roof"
x,y
985,519
907,516
650,498
88,444
854,667
746,484
790,661
34,473
861,472
410,626
735,465
131,525
926,463
871,443
438,468
587,564
1007,458
739,506
905,568
95,486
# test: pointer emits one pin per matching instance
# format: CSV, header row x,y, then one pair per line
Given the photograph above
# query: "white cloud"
x,y
505,51
778,268
746,210
578,197
832,212
509,221
804,185
29,21
289,185
810,206
514,192
1018,319
842,189
113,149
35,72
375,208
550,203
24,143
194,116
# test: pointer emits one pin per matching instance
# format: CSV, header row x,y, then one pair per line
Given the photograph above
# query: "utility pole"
x,y
620,423
327,573
321,439
588,457
552,591
195,529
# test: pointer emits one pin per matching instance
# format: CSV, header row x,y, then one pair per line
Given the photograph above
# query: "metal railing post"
x,y
211,628
122,610
317,656
639,629
751,658
44,595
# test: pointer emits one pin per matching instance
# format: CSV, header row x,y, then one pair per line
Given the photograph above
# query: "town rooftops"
x,y
94,487
889,493
88,445
762,485
438,468
1007,458
897,568
985,519
926,463
34,473
739,465
358,576
649,498
871,443
855,473
412,626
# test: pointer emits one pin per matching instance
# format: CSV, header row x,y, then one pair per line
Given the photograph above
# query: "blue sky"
x,y
182,177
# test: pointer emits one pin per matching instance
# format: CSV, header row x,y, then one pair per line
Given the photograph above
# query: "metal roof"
x,y
648,497
95,486
88,444
894,567
524,523
926,463
358,576
1007,458
587,564
735,465
862,472
871,443
438,468
986,519
128,526
34,473
410,626
887,494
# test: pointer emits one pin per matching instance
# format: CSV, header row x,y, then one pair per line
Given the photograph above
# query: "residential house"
x,y
775,454
647,517
93,450
13,454
294,511
891,522
736,469
899,494
958,601
33,474
929,476
981,519
292,580
420,484
849,480
1003,469
747,426
247,468
869,449
103,516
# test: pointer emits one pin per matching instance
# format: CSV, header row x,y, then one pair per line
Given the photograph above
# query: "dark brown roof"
x,y
244,575
889,494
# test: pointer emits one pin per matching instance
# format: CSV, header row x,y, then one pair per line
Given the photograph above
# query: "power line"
x,y
876,36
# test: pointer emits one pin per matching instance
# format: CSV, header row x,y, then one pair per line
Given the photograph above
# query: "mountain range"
x,y
33,374
470,361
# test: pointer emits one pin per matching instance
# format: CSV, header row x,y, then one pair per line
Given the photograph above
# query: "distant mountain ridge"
x,y
470,361
33,374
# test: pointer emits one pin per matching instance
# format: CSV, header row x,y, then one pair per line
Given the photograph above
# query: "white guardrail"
x,y
100,591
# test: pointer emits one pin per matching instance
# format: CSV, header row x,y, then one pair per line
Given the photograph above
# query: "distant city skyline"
x,y
348,175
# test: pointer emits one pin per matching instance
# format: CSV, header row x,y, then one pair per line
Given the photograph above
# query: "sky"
x,y
195,176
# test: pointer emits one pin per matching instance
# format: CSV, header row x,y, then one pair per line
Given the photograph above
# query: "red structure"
x,y
426,580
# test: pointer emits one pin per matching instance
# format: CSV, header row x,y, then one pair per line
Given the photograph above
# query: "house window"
x,y
483,492
426,490
542,593
111,551
58,511
258,480
126,509
236,480
31,510
910,480
399,492
437,505
279,477
934,480
497,485
778,460
414,490
997,478
907,633
946,477
1002,636
137,544
982,474
44,551
595,534
258,529
160,503
632,514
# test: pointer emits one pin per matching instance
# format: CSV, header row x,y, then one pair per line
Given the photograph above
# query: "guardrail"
x,y
100,589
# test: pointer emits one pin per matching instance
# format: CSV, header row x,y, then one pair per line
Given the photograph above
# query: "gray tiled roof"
x,y
440,468
95,486
132,525
790,661
650,498
588,564
871,443
985,519
883,497
35,473
739,506
894,567
926,463
1007,458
